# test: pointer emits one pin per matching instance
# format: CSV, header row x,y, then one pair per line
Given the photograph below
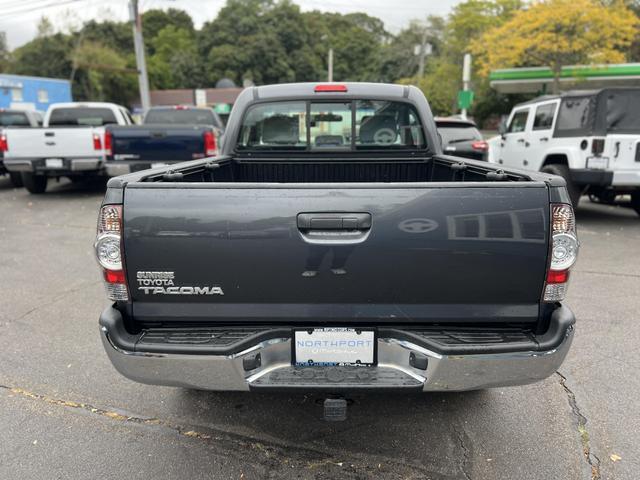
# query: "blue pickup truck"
x,y
168,135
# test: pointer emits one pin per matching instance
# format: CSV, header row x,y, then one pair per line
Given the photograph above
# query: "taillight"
x,y
480,145
108,140
97,143
4,145
108,247
564,251
597,146
210,148
330,87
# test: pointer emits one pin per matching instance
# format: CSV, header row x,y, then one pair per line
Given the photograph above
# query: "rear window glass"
x,y
454,132
81,116
575,115
193,116
14,119
359,124
622,111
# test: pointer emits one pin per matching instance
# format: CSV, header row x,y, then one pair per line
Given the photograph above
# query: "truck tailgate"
x,y
52,142
287,253
157,143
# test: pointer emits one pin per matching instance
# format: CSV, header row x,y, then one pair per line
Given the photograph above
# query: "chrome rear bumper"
x,y
394,370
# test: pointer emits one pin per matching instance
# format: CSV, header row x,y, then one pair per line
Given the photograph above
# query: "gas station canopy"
x,y
540,79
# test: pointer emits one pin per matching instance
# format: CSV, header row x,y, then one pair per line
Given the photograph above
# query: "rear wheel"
x,y
34,183
563,171
635,202
16,179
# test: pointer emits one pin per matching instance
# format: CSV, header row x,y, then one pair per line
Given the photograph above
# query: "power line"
x,y
17,13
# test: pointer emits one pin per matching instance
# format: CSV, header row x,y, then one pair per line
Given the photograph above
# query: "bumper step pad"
x,y
336,377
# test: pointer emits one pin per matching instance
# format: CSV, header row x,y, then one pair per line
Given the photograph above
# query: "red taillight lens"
x,y
108,140
210,148
561,276
97,143
108,247
564,251
480,145
114,276
330,88
597,146
4,145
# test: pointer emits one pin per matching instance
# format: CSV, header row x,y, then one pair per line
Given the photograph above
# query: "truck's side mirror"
x,y
440,140
502,128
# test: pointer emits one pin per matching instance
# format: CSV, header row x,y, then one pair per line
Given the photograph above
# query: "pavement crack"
x,y
60,296
466,455
610,274
590,457
270,454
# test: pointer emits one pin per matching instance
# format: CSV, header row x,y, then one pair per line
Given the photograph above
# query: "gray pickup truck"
x,y
332,247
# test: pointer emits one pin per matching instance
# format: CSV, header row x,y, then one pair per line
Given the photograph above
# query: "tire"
x,y
16,179
563,171
635,202
34,183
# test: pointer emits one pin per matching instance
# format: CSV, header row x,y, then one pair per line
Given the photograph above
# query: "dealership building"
x,y
32,93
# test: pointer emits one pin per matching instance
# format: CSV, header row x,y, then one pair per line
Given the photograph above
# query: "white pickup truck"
x,y
70,143
589,137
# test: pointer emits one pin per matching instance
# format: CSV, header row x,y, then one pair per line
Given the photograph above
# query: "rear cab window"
x,y
331,125
181,116
518,121
82,116
14,119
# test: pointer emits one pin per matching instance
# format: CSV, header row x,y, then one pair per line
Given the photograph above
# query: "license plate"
x,y
158,165
599,163
53,163
334,346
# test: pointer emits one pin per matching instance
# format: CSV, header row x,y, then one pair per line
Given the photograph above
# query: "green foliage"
x,y
269,41
5,56
44,56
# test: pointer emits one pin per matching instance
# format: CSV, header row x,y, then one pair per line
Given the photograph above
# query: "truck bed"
x,y
335,170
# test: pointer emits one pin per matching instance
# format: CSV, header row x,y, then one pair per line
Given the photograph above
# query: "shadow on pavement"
x,y
379,426
589,213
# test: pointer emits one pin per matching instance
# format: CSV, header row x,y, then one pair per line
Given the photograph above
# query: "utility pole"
x,y
466,79
422,53
138,42
330,66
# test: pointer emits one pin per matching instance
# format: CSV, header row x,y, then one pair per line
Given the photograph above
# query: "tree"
x,y
44,28
154,21
44,57
175,63
451,39
103,74
555,33
5,56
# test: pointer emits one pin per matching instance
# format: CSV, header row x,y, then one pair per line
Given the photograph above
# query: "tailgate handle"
x,y
334,221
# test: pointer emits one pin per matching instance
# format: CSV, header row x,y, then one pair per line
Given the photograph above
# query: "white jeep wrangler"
x,y
589,137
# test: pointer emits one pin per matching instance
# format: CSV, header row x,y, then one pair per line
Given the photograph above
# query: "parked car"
x,y
70,143
168,135
591,138
300,260
11,118
461,138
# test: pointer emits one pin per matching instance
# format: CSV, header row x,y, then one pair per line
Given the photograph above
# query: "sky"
x,y
19,18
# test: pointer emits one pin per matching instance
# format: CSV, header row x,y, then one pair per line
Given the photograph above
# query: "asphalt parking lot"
x,y
66,413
